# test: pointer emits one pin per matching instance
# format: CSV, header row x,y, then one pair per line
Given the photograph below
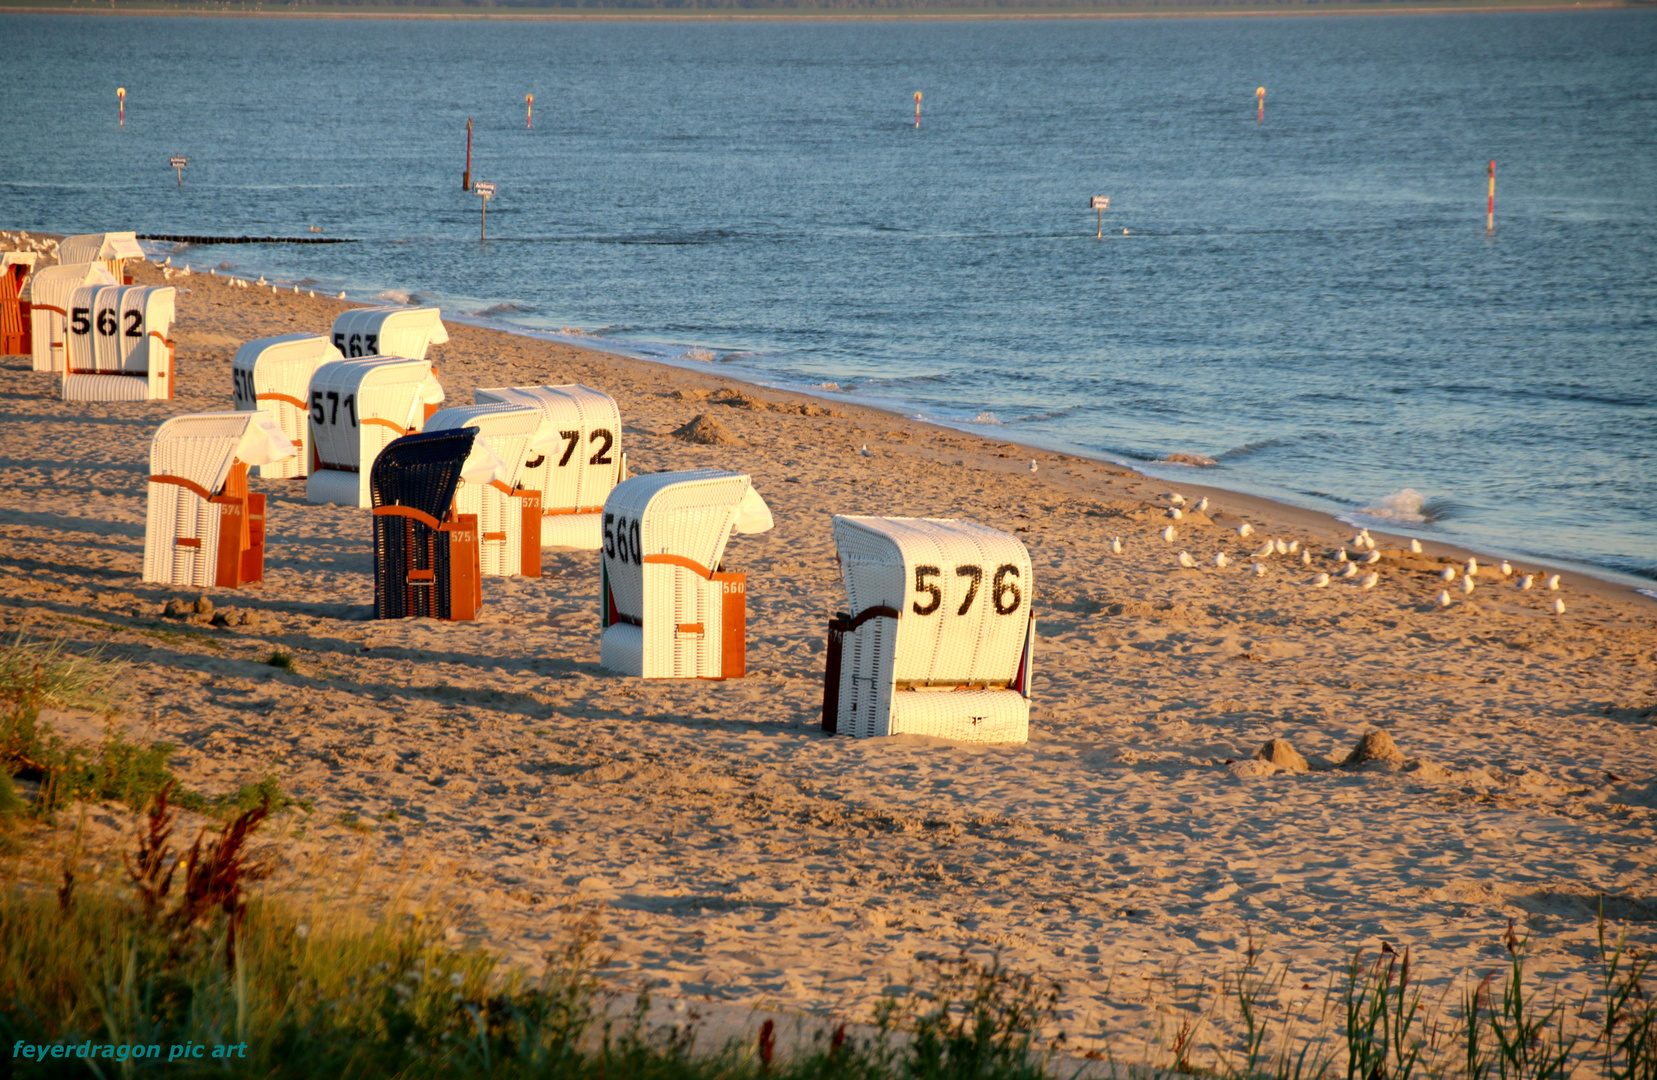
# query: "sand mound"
x,y
706,430
1282,755
1374,746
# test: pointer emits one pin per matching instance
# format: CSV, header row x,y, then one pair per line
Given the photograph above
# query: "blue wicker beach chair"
x,y
425,555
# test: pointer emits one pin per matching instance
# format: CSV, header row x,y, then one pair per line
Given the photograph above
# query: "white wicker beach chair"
x,y
940,637
575,476
668,608
15,268
508,508
112,249
358,407
273,375
388,331
204,527
118,346
50,294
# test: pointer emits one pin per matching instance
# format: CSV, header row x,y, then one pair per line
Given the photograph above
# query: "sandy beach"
x,y
1132,849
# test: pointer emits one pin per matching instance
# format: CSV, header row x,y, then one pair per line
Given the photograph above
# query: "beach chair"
x,y
358,407
668,608
113,249
50,294
508,508
426,554
273,375
117,346
939,639
388,331
204,527
576,476
15,268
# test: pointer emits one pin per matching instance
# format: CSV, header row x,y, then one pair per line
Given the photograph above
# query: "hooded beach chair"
x,y
388,331
50,295
117,347
358,407
204,527
15,268
425,553
273,375
669,609
577,474
940,637
508,508
113,249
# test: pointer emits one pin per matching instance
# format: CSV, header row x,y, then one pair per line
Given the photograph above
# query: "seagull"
x,y
1116,546
1319,582
1467,585
1259,569
1472,567
313,293
1174,512
1340,556
1176,498
1552,583
1372,557
1187,561
1526,581
1222,560
1202,505
1245,529
1443,598
1558,606
296,290
1447,574
341,296
1294,546
1351,570
168,261
1032,464
865,451
261,279
1168,534
1370,580
1266,550
1306,557
1358,541
1506,568
1415,546
1282,548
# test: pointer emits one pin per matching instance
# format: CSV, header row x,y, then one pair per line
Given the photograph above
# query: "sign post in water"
x,y
1101,203
178,161
485,190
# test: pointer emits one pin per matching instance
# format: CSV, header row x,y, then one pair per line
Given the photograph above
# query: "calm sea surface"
x,y
1312,301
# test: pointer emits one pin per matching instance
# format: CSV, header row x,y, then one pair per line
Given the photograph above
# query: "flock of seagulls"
x,y
1350,568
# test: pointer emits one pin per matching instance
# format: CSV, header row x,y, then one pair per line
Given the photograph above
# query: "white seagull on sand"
x,y
1443,598
1526,581
1552,583
1372,557
1370,580
1319,582
1202,505
1032,464
1558,606
1168,534
1340,556
1506,568
1467,585
1447,574
1266,550
1472,567
1294,547
1176,498
1282,548
1415,547
1351,570
1187,561
1259,569
1245,529
1222,560
1116,546
1175,512
1306,557
865,451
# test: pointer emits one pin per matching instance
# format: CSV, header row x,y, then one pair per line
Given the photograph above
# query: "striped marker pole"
x,y
529,99
917,110
121,95
1260,95
1490,209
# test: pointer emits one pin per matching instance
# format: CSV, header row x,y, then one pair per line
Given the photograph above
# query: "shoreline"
x,y
968,15
734,852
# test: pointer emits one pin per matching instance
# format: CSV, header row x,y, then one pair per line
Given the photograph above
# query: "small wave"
x,y
1199,461
703,355
1050,414
503,309
1407,504
827,386
1647,592
1252,448
986,417
393,296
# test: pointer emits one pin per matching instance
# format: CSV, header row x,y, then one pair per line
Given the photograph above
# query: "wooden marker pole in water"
x,y
529,99
1490,209
917,110
466,177
1260,95
486,191
1100,203
178,161
121,96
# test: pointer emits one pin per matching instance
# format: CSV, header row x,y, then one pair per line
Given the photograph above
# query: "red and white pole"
x,y
1260,95
917,110
121,95
1490,210
529,99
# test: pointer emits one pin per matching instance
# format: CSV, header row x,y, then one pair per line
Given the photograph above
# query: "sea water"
x,y
1312,302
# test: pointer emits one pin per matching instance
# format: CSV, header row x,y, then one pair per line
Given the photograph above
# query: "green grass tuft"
x,y
281,660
